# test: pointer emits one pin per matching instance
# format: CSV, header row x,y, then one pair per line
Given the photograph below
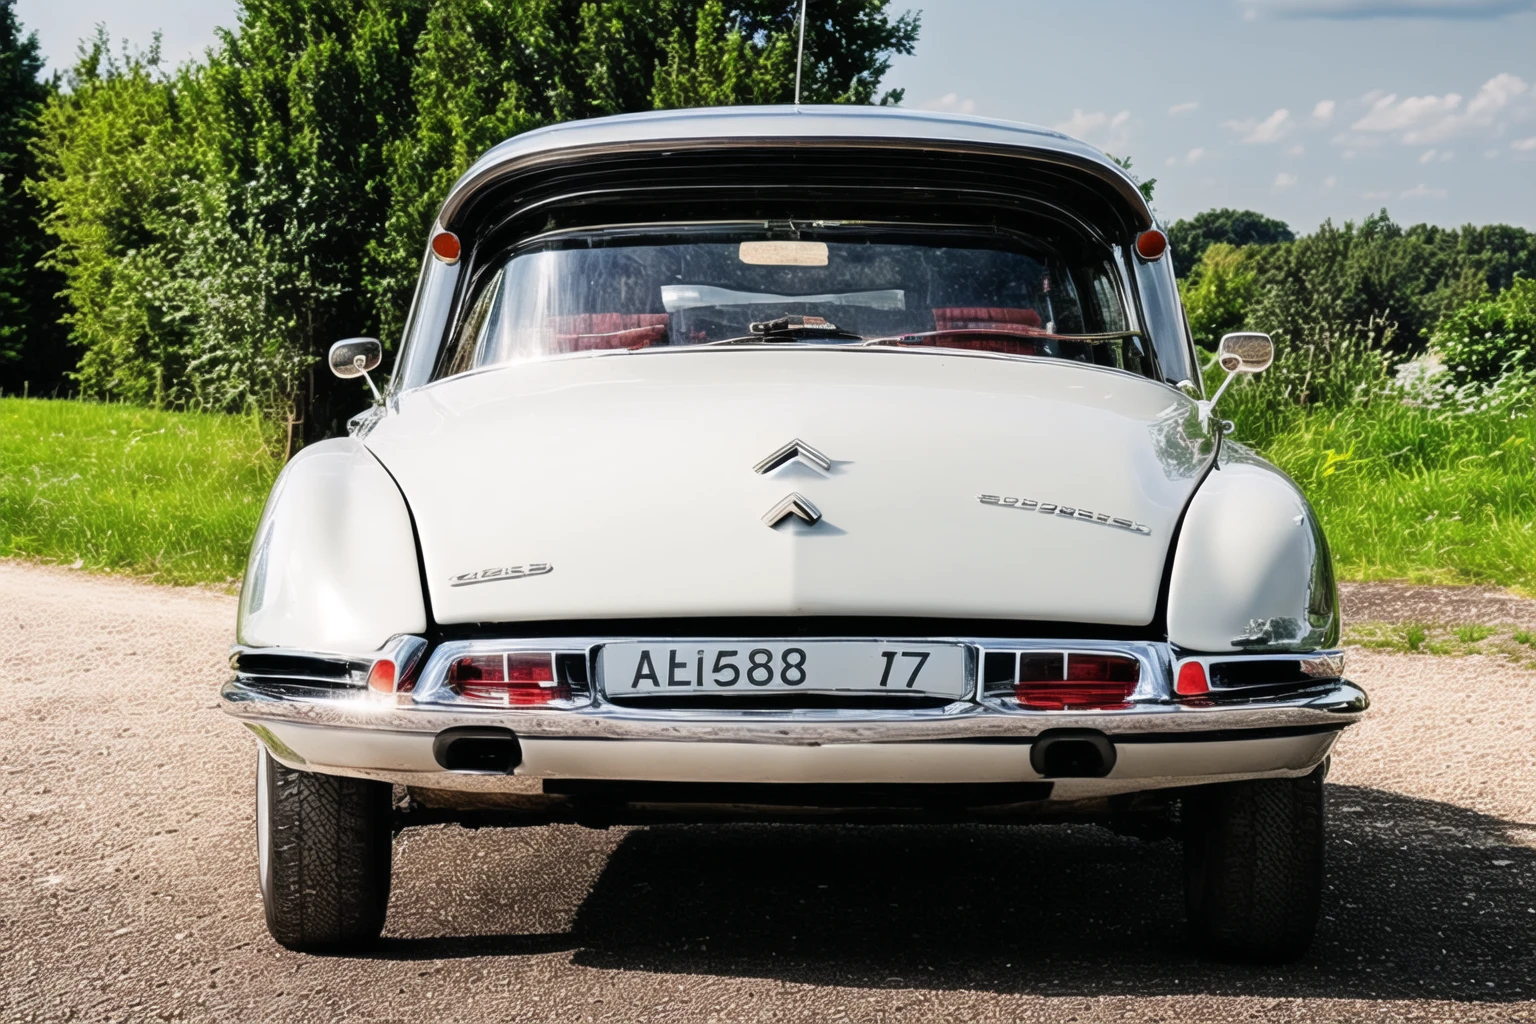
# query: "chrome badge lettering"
x,y
1068,511
495,575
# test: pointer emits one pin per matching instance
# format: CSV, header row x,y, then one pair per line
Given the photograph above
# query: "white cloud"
x,y
1417,120
1099,127
1183,108
1329,182
1189,159
1284,180
1361,10
1324,110
1430,156
1524,145
1490,154
1270,129
1412,113
1296,150
1422,192
951,102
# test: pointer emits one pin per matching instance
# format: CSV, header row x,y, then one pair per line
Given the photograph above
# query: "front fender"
x,y
333,566
1252,571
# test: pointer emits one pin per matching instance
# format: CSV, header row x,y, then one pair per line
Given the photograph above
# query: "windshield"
x,y
938,288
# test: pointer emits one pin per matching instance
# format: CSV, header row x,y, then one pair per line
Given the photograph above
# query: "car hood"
x,y
624,486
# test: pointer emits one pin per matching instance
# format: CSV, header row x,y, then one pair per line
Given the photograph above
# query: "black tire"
x,y
1253,867
323,849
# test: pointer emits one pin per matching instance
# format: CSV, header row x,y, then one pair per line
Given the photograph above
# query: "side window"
x,y
476,329
1108,310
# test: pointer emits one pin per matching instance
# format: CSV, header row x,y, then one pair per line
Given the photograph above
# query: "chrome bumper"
x,y
1159,742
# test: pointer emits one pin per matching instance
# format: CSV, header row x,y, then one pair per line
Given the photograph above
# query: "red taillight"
x,y
1057,682
514,678
445,246
381,678
1151,244
1191,681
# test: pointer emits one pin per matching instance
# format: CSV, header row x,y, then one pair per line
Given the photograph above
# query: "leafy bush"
x,y
1486,339
1218,293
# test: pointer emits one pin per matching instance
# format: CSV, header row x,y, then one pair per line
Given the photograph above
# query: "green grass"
x,y
1416,494
1403,492
169,496
1513,645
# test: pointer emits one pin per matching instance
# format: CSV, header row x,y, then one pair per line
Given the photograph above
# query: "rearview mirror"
x,y
1245,352
355,357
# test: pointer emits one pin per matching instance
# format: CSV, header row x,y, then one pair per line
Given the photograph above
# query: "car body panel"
x,y
333,566
632,477
1252,572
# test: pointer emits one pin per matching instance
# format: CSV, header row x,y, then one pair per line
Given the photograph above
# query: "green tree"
x,y
485,72
1339,277
32,344
1190,238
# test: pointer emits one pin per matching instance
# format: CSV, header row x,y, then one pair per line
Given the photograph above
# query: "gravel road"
x,y
128,879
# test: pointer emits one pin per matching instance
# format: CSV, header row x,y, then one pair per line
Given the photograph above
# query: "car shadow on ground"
x,y
1425,900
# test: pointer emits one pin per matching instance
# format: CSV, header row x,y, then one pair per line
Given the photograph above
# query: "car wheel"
x,y
323,848
1253,867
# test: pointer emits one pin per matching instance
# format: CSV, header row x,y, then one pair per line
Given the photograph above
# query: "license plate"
x,y
801,666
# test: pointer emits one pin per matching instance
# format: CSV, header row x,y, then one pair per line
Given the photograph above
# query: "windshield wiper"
x,y
791,329
919,337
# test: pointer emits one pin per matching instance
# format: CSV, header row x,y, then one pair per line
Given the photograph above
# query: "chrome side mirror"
x,y
1243,352
354,357
1246,352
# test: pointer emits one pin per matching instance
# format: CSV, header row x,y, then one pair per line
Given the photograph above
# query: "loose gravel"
x,y
128,881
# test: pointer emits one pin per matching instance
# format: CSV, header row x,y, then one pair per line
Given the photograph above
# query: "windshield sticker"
x,y
1067,511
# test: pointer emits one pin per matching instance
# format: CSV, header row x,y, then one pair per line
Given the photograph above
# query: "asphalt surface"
x,y
128,879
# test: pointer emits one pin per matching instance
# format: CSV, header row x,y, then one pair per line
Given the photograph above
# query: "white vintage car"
x,y
793,464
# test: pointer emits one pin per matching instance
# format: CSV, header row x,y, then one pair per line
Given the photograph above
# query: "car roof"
x,y
710,127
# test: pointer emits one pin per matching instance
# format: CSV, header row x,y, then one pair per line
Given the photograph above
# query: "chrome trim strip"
x,y
787,453
1319,665
404,649
984,720
793,504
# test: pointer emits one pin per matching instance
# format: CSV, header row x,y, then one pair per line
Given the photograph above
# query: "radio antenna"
x,y
800,60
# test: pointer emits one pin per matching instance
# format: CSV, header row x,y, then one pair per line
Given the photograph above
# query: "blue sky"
x,y
1302,109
